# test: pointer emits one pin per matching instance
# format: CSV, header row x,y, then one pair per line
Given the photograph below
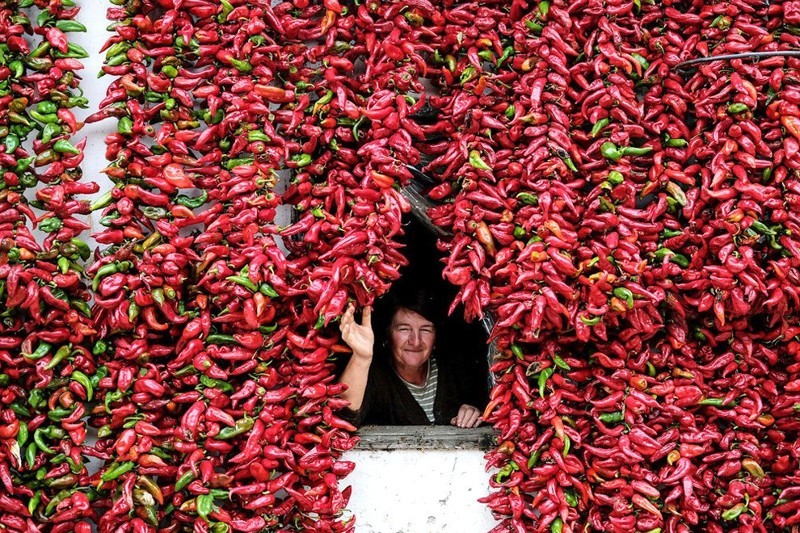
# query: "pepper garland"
x,y
47,374
629,222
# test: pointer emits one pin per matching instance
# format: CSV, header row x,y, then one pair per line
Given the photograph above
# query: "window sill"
x,y
389,438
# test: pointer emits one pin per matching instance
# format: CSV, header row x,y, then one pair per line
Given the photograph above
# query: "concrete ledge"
x,y
425,438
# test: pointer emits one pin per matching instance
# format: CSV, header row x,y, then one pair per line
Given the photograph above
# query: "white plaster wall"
x,y
412,491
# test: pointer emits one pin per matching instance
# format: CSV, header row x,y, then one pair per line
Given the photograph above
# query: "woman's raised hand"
x,y
359,337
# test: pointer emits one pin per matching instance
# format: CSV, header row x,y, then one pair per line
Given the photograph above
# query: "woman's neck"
x,y
416,375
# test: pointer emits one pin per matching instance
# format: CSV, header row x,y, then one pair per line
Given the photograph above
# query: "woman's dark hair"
x,y
418,300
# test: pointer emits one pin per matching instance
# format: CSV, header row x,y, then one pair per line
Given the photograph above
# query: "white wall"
x,y
412,491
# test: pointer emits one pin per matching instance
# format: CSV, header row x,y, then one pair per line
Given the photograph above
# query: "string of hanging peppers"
x,y
629,217
48,375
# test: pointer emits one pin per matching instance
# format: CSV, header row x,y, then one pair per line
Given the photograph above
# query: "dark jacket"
x,y
387,401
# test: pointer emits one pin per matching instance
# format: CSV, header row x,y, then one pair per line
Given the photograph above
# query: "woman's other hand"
x,y
359,337
467,417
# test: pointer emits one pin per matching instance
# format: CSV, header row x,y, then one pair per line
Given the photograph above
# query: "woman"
x,y
411,386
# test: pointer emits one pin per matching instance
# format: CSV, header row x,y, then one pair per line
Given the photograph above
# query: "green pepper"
x,y
115,471
517,351
239,161
125,126
544,375
544,8
267,290
599,125
17,68
184,480
83,379
59,356
476,161
192,203
22,434
676,143
508,51
571,498
23,164
46,107
33,504
560,363
302,160
534,458
154,213
610,151
634,151
50,224
11,143
20,410
40,51
78,247
158,296
218,338
528,198
103,271
669,233
49,131
616,416
591,321
557,525
227,7
212,383
66,25
205,505
241,426
570,165
38,439
734,512
242,66
736,108
244,281
60,413
40,351
761,228
74,51
615,177
44,118
104,201
30,454
678,259
169,71
624,294
519,232
641,60
63,146
256,135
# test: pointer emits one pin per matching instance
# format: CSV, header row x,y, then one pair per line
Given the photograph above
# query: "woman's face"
x,y
412,337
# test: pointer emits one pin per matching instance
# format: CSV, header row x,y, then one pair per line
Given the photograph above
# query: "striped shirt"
x,y
425,395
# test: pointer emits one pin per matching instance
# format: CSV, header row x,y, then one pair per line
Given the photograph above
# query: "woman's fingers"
x,y
366,317
467,417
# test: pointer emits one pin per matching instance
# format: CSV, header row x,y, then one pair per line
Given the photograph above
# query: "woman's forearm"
x,y
355,376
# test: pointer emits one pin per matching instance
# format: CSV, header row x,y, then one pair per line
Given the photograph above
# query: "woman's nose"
x,y
413,338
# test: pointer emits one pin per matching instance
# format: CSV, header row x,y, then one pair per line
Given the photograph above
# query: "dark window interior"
x,y
464,343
